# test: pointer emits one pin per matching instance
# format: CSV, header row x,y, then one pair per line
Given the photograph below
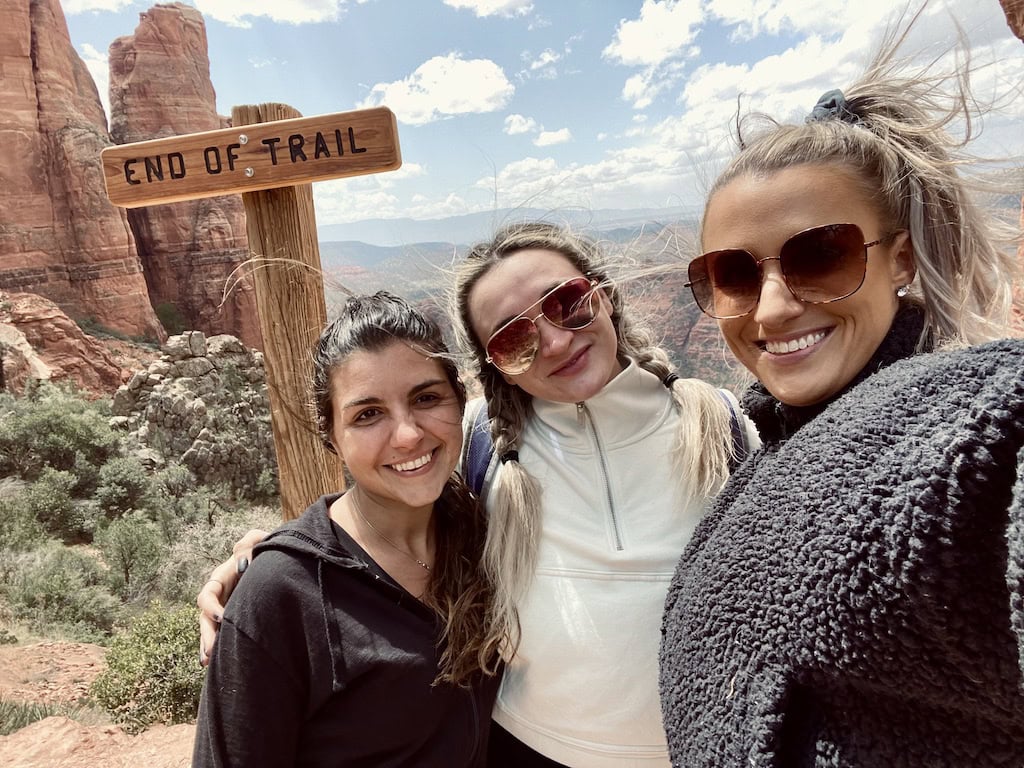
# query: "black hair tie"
x,y
833,106
669,380
508,456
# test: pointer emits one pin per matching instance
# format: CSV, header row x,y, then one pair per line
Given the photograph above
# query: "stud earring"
x,y
902,291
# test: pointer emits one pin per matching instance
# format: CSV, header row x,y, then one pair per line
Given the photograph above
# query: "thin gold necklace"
x,y
411,556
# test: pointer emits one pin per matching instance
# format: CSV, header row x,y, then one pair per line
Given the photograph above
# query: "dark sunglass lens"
x,y
825,263
735,282
571,305
514,347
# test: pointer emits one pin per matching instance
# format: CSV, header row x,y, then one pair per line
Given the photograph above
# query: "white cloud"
x,y
545,59
98,64
659,41
548,138
263,63
72,7
371,196
664,31
444,86
236,12
484,8
516,124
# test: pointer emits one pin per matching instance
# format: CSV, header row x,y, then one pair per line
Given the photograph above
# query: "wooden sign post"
x,y
270,155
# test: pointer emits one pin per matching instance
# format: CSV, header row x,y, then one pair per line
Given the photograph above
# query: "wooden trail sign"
x,y
269,156
262,156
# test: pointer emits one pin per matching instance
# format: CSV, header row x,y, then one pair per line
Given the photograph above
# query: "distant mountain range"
x,y
416,259
473,227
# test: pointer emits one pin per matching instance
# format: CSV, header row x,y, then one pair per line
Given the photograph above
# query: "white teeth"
x,y
783,347
409,466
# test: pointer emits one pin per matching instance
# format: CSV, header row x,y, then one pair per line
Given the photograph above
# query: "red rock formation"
x,y
160,86
58,233
1014,10
38,341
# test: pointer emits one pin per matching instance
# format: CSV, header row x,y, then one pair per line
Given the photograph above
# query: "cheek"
x,y
732,331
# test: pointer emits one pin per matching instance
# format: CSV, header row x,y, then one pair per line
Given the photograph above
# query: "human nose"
x,y
407,431
553,340
776,303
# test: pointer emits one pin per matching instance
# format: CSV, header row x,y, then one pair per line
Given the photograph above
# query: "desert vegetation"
x,y
101,546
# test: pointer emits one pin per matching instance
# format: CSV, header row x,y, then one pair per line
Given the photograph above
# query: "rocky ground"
x,y
55,673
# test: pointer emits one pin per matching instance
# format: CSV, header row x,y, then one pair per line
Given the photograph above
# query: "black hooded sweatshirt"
x,y
324,660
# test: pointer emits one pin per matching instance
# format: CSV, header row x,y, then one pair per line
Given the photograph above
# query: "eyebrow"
x,y
373,400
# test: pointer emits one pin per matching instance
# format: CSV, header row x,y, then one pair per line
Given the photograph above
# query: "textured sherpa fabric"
x,y
856,595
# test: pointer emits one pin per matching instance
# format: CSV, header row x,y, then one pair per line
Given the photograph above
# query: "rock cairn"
x,y
203,404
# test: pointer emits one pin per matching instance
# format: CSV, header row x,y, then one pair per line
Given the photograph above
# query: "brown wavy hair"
x,y
459,589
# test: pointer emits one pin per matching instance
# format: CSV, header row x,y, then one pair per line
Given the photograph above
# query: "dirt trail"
x,y
55,672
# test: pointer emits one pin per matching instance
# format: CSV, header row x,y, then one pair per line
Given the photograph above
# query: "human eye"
x,y
430,399
434,397
366,415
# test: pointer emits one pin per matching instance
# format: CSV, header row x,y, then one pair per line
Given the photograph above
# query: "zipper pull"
x,y
581,415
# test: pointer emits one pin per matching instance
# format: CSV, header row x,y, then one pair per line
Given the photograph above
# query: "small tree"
x,y
132,547
123,486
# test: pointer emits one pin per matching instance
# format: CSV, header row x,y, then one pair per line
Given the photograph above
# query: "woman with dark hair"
x,y
363,634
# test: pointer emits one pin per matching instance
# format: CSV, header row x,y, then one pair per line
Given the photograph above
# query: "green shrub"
x,y
123,486
132,547
58,589
53,427
50,501
152,674
20,529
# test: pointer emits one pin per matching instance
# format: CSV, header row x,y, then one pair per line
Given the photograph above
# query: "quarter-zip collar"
x,y
634,392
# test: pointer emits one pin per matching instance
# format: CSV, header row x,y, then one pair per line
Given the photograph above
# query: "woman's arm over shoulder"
x,y
214,593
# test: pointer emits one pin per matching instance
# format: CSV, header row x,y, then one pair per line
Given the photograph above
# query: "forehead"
x,y
391,371
513,284
760,212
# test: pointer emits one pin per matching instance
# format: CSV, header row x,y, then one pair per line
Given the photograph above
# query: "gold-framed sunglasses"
x,y
570,306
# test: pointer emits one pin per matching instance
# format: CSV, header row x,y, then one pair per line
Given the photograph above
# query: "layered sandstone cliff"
x,y
58,234
1014,10
160,86
39,342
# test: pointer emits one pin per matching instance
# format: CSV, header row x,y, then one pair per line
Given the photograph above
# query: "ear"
x,y
902,265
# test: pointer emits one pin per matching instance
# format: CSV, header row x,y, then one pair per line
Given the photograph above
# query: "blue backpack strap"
x,y
740,446
479,449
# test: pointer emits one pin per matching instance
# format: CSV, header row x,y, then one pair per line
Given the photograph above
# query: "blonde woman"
x,y
855,597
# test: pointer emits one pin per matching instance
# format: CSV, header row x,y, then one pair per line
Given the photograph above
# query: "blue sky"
x,y
553,103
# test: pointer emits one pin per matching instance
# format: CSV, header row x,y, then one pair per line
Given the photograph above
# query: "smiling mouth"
x,y
793,345
570,362
409,466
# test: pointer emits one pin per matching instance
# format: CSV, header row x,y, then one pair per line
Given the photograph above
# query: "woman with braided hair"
x,y
855,596
604,461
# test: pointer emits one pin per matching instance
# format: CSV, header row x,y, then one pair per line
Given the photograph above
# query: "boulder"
x,y
38,341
